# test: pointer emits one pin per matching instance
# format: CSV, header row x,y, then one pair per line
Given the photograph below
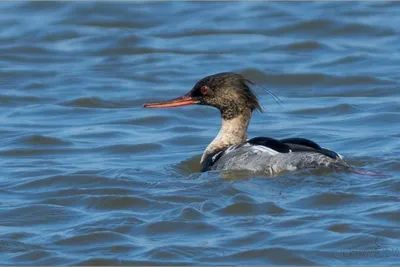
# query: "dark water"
x,y
90,177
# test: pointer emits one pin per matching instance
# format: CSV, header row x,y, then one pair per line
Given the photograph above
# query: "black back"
x,y
274,144
291,145
302,142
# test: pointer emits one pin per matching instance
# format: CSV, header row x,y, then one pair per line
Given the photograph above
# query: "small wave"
x,y
123,24
180,227
207,32
391,216
341,61
299,46
38,214
27,50
60,36
247,239
144,121
332,27
14,246
35,85
174,253
92,239
357,29
327,200
340,109
129,51
312,80
311,26
27,152
64,181
94,102
120,261
127,148
42,140
341,228
269,256
251,209
21,99
306,45
39,256
119,202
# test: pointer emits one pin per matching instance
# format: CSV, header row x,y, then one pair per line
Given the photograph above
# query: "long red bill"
x,y
177,102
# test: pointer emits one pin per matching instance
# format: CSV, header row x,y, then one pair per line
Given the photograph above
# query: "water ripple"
x,y
89,177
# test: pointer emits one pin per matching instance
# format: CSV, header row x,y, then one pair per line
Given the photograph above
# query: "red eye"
x,y
204,89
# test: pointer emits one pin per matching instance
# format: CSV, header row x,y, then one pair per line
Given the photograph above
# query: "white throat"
x,y
232,132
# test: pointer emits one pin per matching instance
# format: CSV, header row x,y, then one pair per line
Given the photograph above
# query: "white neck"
x,y
233,132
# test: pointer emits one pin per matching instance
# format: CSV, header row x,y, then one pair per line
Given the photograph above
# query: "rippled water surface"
x,y
90,177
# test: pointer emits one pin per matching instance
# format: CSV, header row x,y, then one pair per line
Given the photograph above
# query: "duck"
x,y
231,149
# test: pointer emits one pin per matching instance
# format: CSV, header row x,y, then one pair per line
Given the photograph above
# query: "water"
x,y
90,177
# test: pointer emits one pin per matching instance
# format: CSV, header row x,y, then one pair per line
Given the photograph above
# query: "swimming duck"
x,y
231,150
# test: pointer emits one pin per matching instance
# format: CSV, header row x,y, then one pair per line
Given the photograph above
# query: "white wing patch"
x,y
255,148
215,156
265,149
231,148
262,149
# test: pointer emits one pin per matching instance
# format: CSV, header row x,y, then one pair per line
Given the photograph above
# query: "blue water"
x,y
89,177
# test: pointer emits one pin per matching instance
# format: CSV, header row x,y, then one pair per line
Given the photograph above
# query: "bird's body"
x,y
231,149
273,156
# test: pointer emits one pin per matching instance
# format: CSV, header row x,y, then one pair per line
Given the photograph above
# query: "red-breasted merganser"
x,y
231,150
